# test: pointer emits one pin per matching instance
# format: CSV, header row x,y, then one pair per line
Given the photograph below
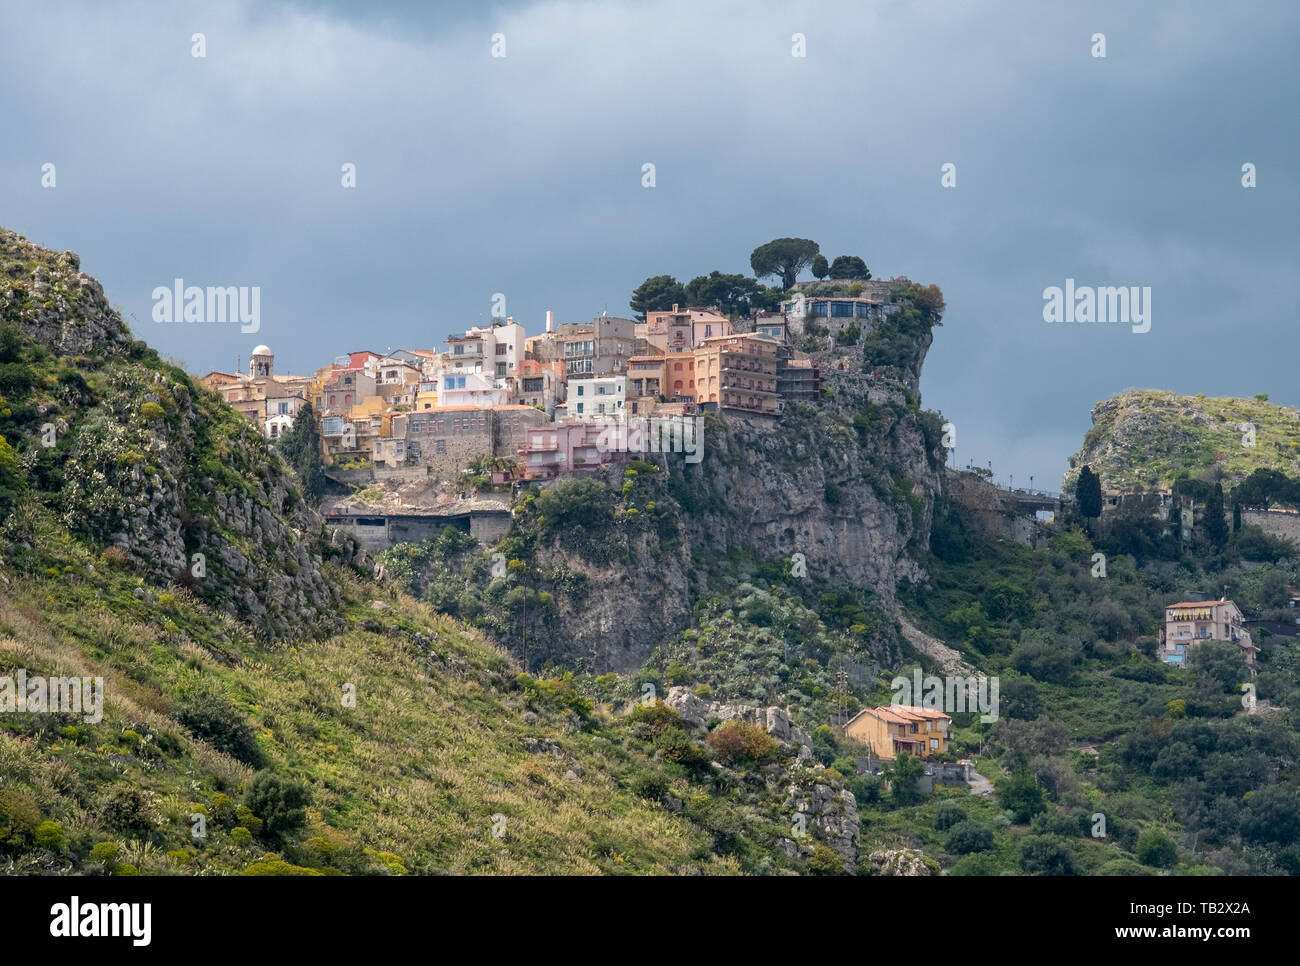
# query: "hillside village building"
x,y
738,372
268,401
1189,622
886,732
425,414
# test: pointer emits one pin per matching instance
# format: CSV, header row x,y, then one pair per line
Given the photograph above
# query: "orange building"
x,y
921,732
738,372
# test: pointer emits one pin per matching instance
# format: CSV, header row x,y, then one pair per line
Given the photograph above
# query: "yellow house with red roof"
x,y
921,732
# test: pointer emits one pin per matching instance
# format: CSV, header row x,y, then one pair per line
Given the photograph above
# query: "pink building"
x,y
548,451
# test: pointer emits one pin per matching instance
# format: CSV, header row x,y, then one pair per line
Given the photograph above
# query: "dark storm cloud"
x,y
522,175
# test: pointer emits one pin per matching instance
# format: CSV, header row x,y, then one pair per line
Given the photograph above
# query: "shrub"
x,y
274,865
105,853
1156,849
1021,795
677,746
651,786
825,861
739,741
50,835
127,809
977,863
969,836
19,818
241,836
280,802
649,720
213,718
1122,867
248,819
947,815
1046,855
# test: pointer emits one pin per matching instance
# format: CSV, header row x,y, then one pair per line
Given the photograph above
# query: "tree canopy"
x,y
849,266
1088,492
300,447
784,257
732,294
656,294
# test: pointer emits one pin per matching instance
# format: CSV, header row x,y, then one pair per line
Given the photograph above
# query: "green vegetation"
x,y
1145,438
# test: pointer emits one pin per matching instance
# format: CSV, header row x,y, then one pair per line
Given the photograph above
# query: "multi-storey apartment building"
x,y
1190,622
738,372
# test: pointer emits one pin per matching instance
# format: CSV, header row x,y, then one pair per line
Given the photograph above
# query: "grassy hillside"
x,y
307,718
1142,438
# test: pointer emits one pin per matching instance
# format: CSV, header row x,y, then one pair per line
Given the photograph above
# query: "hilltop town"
x,y
496,401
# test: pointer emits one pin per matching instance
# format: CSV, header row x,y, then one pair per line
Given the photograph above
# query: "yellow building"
x,y
921,732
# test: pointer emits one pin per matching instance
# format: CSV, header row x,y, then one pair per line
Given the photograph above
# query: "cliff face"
x,y
844,489
128,451
850,497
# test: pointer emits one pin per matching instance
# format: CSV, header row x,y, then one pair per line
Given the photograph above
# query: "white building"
x,y
602,396
496,351
469,389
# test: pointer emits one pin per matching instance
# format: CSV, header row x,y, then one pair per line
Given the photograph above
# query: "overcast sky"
x,y
522,174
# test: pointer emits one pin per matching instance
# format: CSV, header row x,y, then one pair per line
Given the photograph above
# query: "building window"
x,y
440,446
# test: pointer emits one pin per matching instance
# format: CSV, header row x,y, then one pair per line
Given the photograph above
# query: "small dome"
x,y
262,350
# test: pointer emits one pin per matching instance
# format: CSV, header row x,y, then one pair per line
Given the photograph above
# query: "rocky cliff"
x,y
129,452
1141,438
845,487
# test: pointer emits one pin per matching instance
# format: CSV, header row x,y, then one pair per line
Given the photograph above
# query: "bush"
x,y
213,718
241,836
127,809
105,853
1156,849
947,815
1046,855
1019,793
652,786
273,865
969,836
677,746
50,835
740,741
280,802
1122,867
649,720
19,818
977,863
825,861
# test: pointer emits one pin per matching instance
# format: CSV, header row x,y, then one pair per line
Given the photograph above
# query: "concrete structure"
x,y
921,732
1205,620
797,379
374,529
645,380
682,329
